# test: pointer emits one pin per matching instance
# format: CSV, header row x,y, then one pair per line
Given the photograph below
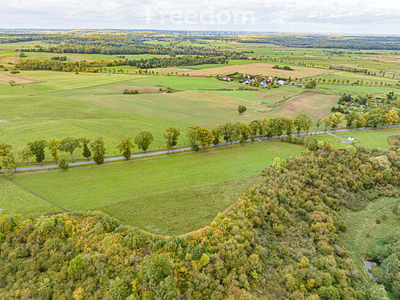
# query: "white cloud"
x,y
351,16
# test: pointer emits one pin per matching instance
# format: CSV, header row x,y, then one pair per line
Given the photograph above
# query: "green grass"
x,y
372,138
170,194
355,89
14,199
364,235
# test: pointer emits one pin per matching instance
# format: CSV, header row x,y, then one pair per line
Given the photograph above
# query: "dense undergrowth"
x,y
279,242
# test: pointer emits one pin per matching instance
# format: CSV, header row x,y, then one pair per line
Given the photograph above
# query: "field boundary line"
x,y
37,195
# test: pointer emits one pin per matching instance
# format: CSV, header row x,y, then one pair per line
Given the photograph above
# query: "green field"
x,y
17,200
170,194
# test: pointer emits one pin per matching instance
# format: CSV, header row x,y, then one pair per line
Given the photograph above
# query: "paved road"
x,y
177,150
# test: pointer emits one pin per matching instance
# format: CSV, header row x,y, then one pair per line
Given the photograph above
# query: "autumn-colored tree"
x,y
192,134
303,122
171,136
255,127
361,122
227,131
392,116
336,119
216,132
289,126
53,146
351,120
205,138
5,149
125,147
8,163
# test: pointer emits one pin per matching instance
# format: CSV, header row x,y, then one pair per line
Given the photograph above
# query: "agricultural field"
x,y
261,68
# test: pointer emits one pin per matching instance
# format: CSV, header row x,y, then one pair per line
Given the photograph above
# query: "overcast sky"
x,y
337,16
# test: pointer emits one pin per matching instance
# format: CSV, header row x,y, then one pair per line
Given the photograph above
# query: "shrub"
x,y
63,165
312,145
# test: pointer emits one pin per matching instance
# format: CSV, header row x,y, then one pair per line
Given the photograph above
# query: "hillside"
x,y
281,241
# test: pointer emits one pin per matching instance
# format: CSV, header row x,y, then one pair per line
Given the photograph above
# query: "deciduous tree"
x,y
205,137
192,134
171,136
216,132
85,144
37,148
24,154
125,147
69,144
53,146
241,109
99,150
227,131
143,139
8,162
336,119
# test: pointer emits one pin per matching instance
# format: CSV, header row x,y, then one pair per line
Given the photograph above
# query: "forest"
x,y
324,41
66,66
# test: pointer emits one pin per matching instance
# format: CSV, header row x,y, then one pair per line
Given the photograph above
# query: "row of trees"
x,y
69,144
198,136
71,66
117,49
37,149
176,61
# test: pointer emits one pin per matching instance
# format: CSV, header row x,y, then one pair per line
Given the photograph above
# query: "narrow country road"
x,y
148,154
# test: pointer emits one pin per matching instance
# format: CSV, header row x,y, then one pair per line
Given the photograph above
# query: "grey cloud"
x,y
285,15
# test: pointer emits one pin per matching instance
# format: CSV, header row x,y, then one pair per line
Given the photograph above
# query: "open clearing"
x,y
364,235
170,194
261,68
